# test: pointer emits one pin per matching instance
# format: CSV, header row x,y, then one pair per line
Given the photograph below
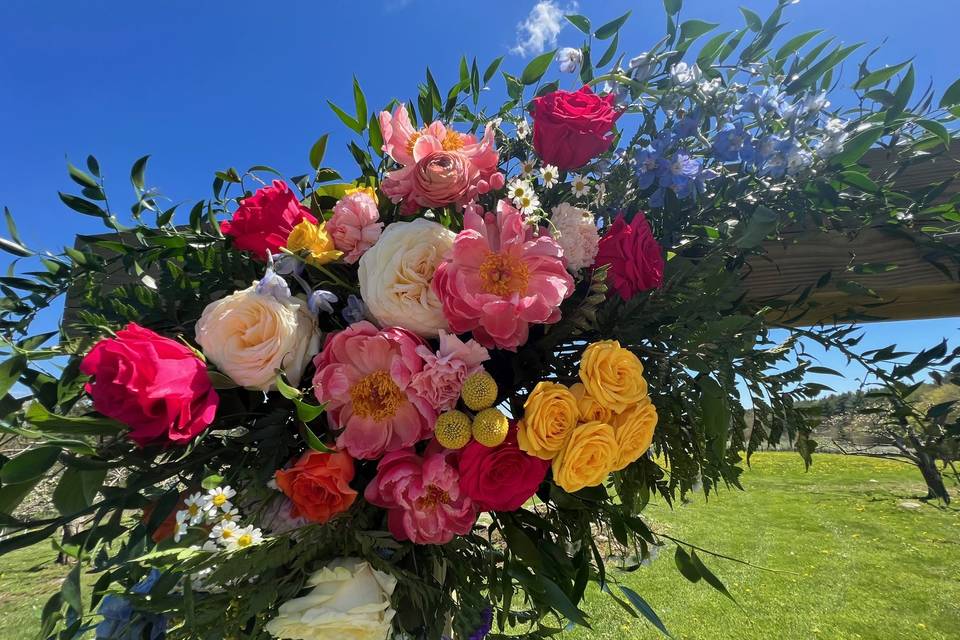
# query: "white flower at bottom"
x,y
350,599
576,232
225,532
197,506
220,498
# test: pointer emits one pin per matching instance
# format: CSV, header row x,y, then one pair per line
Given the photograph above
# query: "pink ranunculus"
x,y
444,371
156,386
355,225
500,278
422,496
263,221
364,375
439,166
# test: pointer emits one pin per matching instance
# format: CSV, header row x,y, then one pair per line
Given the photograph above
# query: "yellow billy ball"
x,y
452,429
479,391
490,427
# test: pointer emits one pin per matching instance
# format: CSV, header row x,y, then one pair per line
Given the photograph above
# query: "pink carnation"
x,y
443,373
439,166
364,376
500,278
355,225
422,496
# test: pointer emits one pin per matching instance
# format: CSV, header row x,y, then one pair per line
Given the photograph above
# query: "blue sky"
x,y
201,88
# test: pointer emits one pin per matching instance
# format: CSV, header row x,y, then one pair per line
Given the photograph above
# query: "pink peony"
x,y
501,278
364,375
443,373
355,225
439,165
422,496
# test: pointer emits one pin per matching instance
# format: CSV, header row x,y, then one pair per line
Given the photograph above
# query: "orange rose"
x,y
318,485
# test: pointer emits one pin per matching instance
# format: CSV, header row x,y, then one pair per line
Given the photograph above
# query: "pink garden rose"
x,y
422,496
501,278
444,371
263,221
364,376
355,225
439,165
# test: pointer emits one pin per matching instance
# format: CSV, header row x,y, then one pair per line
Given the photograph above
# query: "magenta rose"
x,y
263,221
155,385
571,128
635,258
500,478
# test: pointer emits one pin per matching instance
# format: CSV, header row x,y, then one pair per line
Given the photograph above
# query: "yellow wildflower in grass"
x,y
612,375
586,458
549,415
313,241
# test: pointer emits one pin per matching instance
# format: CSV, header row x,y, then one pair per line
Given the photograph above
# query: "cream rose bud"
x,y
250,335
351,599
395,276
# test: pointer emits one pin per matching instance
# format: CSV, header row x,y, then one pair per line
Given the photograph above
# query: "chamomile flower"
x,y
246,537
527,167
220,498
579,186
519,189
197,506
231,515
181,529
527,204
549,175
523,129
225,532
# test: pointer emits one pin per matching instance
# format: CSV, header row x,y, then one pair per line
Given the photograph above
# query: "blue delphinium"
x,y
729,145
321,300
355,311
688,124
122,622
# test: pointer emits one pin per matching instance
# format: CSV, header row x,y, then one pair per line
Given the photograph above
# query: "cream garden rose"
x,y
395,276
350,600
250,335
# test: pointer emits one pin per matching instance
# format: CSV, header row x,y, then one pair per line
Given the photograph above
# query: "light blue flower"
x,y
321,300
569,59
355,311
641,68
122,622
274,285
730,142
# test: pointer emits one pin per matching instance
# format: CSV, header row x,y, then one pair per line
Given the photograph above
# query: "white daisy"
x,y
549,175
231,515
527,204
246,537
519,189
527,167
523,129
211,546
181,530
197,507
225,532
579,186
220,498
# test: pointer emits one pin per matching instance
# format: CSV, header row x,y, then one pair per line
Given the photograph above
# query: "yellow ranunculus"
x,y
587,457
549,415
634,430
612,375
314,241
370,191
590,409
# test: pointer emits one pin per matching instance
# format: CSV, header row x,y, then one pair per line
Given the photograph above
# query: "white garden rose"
x,y
395,276
250,335
576,232
351,601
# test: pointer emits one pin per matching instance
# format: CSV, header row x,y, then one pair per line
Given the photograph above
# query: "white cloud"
x,y
541,27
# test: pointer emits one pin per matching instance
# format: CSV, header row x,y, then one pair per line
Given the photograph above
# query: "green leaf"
x,y
77,489
327,175
10,371
346,119
491,69
522,546
715,416
758,227
41,418
137,171
880,75
318,150
211,482
561,603
610,52
672,7
29,465
12,495
859,180
809,77
693,29
936,129
685,565
376,135
12,227
514,86
309,412
710,50
360,102
951,96
70,590
81,177
752,19
708,575
645,609
286,390
313,441
13,248
611,27
93,166
81,206
902,95
580,22
537,67
855,147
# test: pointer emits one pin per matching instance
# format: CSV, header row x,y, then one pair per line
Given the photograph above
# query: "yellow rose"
x,y
314,241
549,414
612,375
586,458
370,191
634,430
590,409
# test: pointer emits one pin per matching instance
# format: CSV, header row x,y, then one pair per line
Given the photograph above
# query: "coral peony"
x,y
500,478
571,128
422,496
363,375
444,371
318,484
439,165
156,386
263,221
501,278
576,233
355,224
635,258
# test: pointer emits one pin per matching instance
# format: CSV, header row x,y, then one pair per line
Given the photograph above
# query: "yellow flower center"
x,y
226,534
435,496
453,141
503,274
193,510
376,396
219,499
245,540
412,141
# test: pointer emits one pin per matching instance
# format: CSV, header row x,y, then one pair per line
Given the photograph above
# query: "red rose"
x,y
263,221
156,386
635,258
500,478
570,128
318,485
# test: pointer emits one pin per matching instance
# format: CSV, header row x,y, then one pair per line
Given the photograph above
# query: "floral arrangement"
x,y
408,404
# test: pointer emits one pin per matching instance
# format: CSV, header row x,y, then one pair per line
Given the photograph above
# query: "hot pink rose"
x,y
500,278
364,376
422,496
572,127
444,371
355,225
500,478
156,386
263,221
635,259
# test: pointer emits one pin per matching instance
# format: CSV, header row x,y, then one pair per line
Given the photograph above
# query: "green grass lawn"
x,y
852,562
